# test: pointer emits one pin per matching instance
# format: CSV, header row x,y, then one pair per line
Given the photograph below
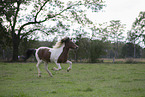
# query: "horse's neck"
x,y
63,56
65,51
56,52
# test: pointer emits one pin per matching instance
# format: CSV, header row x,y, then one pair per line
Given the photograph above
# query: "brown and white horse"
x,y
58,54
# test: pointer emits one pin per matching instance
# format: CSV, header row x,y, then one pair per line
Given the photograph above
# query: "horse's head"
x,y
69,44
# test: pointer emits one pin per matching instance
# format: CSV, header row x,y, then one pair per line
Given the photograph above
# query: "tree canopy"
x,y
137,32
22,17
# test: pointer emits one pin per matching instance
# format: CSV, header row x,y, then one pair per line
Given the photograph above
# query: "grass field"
x,y
84,80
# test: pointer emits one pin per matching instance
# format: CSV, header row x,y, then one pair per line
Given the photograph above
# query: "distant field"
x,y
84,80
121,60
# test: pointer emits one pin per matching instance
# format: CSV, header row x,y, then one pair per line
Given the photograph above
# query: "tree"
x,y
100,32
137,33
127,51
116,30
79,35
4,37
139,28
90,50
21,25
83,50
97,48
132,38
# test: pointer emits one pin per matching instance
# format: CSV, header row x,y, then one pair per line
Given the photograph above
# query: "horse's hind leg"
x,y
37,65
46,67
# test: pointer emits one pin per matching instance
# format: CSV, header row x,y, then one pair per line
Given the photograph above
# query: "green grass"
x,y
84,80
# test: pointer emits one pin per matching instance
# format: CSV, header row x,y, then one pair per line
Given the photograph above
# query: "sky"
x,y
124,10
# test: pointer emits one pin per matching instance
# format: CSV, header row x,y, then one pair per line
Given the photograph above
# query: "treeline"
x,y
89,50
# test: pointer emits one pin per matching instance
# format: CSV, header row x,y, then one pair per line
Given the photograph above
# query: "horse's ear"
x,y
62,40
65,39
68,38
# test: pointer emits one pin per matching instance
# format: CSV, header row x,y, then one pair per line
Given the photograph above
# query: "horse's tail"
x,y
29,53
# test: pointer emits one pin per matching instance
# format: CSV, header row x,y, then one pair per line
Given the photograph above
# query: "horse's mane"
x,y
60,43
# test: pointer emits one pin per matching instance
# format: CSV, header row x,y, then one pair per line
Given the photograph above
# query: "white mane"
x,y
58,45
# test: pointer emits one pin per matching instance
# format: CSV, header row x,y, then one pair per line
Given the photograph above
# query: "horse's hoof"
x,y
54,69
50,74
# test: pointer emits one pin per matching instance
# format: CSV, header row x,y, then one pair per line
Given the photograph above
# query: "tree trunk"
x,y
76,56
134,55
16,42
114,59
114,53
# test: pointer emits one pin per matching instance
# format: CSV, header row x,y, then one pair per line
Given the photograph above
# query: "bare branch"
x,y
35,21
29,32
48,17
40,10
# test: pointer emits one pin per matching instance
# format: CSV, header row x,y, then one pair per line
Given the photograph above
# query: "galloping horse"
x,y
58,54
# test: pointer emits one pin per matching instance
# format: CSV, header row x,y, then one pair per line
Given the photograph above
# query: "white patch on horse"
x,y
55,53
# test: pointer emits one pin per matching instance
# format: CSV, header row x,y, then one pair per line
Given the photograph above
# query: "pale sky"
x,y
124,10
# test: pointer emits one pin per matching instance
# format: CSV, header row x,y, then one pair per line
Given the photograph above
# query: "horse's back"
x,y
43,53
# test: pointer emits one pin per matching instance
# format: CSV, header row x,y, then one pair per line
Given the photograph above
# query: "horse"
x,y
58,54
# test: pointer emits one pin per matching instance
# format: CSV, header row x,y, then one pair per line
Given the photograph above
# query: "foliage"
x,y
110,50
116,30
89,50
84,48
57,12
97,48
100,32
112,32
5,40
128,51
84,80
137,32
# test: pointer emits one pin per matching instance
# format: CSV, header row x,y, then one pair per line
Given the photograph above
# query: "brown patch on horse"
x,y
44,54
64,55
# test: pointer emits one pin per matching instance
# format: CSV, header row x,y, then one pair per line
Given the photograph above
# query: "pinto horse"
x,y
58,54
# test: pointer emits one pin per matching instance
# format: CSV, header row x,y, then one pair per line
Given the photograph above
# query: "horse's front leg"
x,y
70,67
58,65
